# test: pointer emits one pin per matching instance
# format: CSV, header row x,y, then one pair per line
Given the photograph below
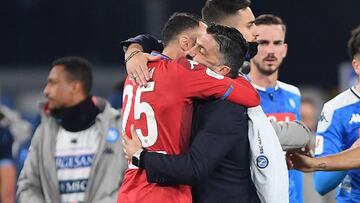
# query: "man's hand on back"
x,y
136,64
131,145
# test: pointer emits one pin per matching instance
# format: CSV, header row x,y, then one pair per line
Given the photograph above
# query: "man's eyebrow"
x,y
278,41
201,47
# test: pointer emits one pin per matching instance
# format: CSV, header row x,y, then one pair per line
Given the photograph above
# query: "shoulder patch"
x,y
211,73
113,135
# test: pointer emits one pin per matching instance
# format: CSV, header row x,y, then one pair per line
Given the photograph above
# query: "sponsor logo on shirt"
x,y
68,162
72,186
281,116
355,118
323,118
262,161
192,64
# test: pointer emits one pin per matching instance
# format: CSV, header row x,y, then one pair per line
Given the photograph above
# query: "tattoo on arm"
x,y
322,166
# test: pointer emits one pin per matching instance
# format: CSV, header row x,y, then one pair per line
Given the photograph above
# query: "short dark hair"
x,y
78,69
178,23
354,43
270,19
232,45
216,10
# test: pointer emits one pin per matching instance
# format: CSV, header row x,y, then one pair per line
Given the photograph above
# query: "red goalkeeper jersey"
x,y
162,114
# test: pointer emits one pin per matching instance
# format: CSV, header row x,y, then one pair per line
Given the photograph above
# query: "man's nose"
x,y
46,91
254,32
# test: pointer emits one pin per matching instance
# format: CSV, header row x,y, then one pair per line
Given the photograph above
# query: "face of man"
x,y
195,33
59,90
186,41
308,115
243,21
271,49
206,51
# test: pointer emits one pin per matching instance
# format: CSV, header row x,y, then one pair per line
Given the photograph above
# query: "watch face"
x,y
135,161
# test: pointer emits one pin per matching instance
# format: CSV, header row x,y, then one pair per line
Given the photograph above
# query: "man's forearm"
x,y
133,47
343,161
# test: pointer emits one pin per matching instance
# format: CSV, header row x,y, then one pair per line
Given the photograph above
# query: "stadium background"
x,y
35,32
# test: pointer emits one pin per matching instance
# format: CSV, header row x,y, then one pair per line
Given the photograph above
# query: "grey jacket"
x,y
38,181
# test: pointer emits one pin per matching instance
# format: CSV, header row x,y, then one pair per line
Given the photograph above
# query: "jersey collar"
x,y
164,57
264,89
353,89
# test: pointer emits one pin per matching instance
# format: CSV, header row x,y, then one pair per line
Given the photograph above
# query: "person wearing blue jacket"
x,y
338,129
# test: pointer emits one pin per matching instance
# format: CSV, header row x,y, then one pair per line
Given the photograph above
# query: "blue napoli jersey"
x,y
282,103
338,129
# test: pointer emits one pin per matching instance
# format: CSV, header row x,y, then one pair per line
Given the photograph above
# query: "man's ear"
x,y
185,43
222,70
76,87
285,50
356,65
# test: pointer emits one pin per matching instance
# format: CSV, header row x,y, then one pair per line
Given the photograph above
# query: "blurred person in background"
x,y
116,96
13,131
338,129
308,112
76,153
309,116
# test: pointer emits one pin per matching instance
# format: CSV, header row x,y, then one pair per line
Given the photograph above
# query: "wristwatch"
x,y
135,159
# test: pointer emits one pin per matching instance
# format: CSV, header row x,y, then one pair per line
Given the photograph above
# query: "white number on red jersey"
x,y
140,108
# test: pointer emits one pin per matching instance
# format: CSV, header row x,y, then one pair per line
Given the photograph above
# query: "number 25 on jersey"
x,y
140,108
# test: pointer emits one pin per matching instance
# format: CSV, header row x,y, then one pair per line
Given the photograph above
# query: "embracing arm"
x,y
209,147
196,81
136,56
221,131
